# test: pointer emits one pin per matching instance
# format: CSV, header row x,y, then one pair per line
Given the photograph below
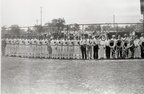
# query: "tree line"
x,y
56,26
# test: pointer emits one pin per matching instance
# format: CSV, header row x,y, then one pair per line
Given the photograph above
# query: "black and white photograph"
x,y
72,46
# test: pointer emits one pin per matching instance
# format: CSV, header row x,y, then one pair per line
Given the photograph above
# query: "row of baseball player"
x,y
83,48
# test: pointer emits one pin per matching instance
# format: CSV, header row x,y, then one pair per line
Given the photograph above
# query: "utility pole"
x,y
41,16
36,21
114,21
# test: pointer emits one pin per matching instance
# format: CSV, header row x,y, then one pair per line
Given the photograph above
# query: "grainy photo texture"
x,y
72,47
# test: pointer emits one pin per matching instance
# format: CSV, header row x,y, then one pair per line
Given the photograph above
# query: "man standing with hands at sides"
x,y
33,47
83,48
113,47
95,47
26,47
89,47
119,47
107,47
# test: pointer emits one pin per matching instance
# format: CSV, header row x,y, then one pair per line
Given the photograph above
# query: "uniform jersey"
x,y
26,42
69,42
11,41
17,41
41,42
20,41
59,42
34,41
7,41
64,42
76,42
23,41
14,41
44,42
29,41
38,42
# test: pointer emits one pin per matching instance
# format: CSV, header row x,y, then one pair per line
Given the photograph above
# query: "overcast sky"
x,y
26,12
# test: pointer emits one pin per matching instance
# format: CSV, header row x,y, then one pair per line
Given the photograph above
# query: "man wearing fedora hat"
x,y
95,43
89,47
83,47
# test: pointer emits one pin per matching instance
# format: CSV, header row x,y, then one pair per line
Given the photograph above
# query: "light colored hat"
x,y
113,36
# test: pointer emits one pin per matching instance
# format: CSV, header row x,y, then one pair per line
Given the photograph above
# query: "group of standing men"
x,y
92,47
115,48
27,47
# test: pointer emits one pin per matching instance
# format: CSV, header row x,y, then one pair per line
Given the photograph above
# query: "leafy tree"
x,y
129,28
56,25
15,30
39,29
75,27
3,29
139,27
49,27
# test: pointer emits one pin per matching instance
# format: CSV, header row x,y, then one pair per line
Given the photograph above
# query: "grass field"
x,y
45,76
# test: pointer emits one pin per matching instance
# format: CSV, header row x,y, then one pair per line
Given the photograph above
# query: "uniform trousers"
x,y
30,50
12,49
71,51
38,50
49,50
34,50
54,51
45,52
3,47
17,49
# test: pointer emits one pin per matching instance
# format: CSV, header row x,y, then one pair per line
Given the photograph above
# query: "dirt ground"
x,y
47,76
